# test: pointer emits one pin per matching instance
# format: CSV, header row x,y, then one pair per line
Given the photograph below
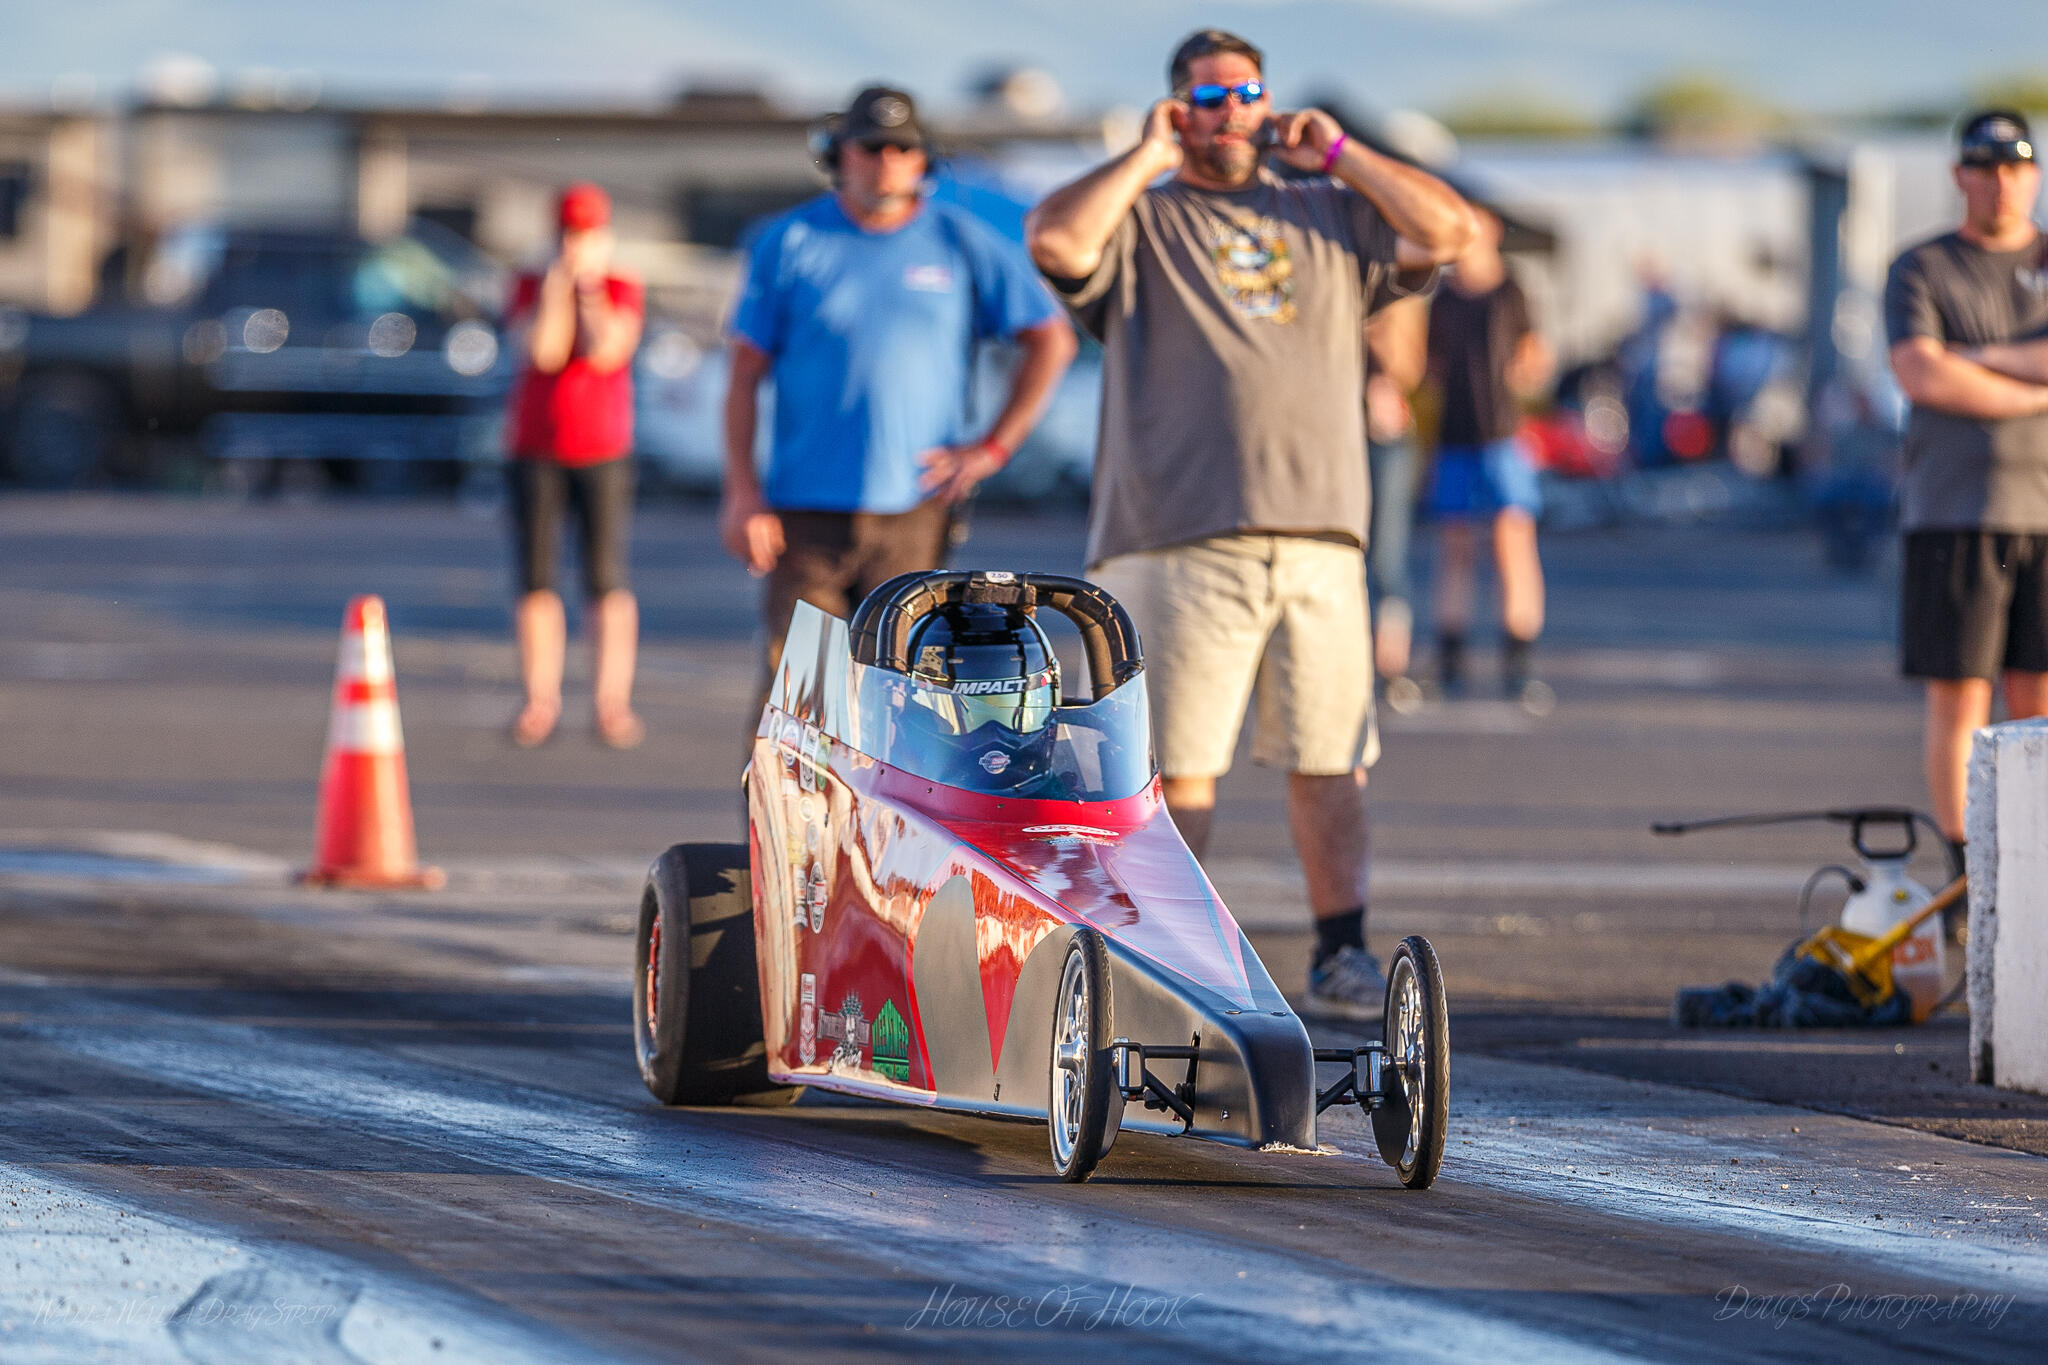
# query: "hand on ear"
x,y
1166,121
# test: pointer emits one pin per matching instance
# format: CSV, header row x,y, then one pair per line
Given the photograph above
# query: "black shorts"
x,y
1973,604
600,496
834,559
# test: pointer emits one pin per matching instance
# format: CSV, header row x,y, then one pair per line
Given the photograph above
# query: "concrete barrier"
x,y
2007,827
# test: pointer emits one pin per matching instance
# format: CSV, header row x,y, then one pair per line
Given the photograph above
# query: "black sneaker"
x,y
1450,665
1350,984
1518,681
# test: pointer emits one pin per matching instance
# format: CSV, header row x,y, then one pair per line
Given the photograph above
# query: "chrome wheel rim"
x,y
1405,1049
1069,1061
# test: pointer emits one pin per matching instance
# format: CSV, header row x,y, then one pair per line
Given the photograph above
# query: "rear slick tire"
x,y
1418,1040
697,1029
1078,1071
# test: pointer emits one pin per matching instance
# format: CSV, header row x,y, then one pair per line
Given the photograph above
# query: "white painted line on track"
x,y
93,856
1418,877
1266,893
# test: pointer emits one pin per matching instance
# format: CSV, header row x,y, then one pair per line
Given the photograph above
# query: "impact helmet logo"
x,y
990,687
994,761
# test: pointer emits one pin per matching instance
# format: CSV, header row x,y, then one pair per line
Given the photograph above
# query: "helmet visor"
x,y
1023,712
1021,704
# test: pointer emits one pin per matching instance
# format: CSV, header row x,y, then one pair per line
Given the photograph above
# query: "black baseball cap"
x,y
882,116
1994,136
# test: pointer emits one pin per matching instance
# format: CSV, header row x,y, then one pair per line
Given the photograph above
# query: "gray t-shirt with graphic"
x,y
1962,473
1233,330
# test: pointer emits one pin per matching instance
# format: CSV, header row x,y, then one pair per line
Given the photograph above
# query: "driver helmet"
x,y
985,663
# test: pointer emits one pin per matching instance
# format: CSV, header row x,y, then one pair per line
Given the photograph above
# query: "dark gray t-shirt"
x,y
1963,473
1233,329
1472,342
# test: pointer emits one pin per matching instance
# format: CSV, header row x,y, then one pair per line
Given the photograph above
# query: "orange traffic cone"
x,y
364,835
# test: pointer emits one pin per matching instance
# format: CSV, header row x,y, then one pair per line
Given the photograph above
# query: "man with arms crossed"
x,y
865,305
1230,500
1967,314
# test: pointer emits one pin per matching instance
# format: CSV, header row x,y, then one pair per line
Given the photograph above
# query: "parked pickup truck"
x,y
265,348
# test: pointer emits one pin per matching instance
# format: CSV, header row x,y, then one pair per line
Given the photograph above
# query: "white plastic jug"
x,y
1919,964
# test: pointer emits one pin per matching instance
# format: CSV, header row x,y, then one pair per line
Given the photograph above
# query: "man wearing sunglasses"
x,y
865,305
1230,499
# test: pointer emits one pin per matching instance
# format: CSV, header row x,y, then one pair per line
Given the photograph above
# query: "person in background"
x,y
1229,510
578,324
864,306
1483,355
1965,313
1397,352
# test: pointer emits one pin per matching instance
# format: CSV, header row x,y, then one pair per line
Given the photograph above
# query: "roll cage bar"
x,y
881,629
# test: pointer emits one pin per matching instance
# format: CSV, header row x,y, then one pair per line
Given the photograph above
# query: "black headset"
x,y
823,139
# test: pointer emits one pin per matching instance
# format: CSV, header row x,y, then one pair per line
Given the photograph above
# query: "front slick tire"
x,y
1410,1131
1078,1080
697,1030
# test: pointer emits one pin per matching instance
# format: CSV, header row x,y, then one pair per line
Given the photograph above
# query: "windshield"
x,y
313,280
1098,752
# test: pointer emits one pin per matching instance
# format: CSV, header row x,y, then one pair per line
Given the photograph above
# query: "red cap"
x,y
584,206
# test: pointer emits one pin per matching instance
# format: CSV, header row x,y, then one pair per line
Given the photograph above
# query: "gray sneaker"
x,y
1349,985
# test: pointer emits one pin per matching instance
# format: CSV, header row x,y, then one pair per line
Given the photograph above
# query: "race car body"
x,y
1002,917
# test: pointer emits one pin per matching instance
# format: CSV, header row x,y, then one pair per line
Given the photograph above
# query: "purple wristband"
x,y
1336,150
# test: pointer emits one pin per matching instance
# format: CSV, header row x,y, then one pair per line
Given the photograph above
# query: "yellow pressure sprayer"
x,y
1865,962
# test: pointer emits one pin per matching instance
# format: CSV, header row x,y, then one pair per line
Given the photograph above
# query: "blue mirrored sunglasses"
x,y
1213,96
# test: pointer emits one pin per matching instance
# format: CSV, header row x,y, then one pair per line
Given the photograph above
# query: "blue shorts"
x,y
1479,481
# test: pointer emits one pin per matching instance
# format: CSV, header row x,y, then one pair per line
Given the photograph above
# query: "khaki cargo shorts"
x,y
1219,616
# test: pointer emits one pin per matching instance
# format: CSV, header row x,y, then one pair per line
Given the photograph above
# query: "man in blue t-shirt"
x,y
864,305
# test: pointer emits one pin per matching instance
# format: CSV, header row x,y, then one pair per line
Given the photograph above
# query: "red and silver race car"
x,y
962,890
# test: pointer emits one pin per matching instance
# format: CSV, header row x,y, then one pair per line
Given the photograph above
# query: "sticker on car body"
x,y
848,1027
807,1019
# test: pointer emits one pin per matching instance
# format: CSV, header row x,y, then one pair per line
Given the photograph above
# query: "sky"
x,y
1816,56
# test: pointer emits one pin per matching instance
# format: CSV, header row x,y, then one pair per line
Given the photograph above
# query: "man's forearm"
x,y
1418,206
1070,226
742,415
553,337
1397,342
2022,360
1047,353
1530,368
1945,381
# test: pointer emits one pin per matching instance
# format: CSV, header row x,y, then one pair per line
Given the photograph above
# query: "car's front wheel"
x,y
1079,1110
696,998
1410,1127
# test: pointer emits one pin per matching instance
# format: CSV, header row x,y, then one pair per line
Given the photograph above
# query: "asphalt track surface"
x,y
242,1121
